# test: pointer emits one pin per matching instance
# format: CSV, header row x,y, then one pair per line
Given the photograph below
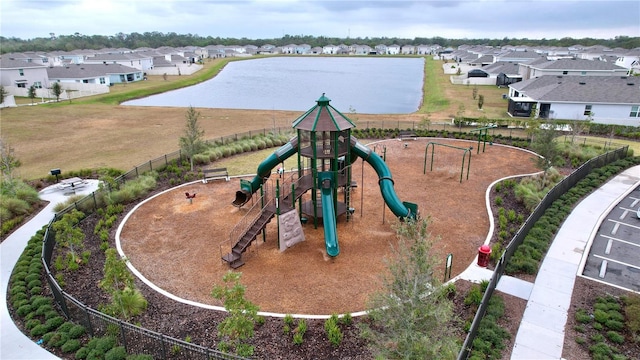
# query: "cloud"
x,y
265,19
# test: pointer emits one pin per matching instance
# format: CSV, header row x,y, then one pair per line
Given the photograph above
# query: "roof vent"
x,y
630,83
582,83
559,76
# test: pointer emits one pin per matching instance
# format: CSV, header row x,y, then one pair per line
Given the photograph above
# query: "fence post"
x,y
89,325
150,166
124,338
164,350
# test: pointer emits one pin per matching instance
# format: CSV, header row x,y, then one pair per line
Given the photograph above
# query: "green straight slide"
x,y
328,214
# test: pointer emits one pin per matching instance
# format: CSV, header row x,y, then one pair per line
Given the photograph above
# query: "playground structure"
x,y
325,150
433,144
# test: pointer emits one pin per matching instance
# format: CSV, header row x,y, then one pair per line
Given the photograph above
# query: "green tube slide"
x,y
399,208
328,215
247,188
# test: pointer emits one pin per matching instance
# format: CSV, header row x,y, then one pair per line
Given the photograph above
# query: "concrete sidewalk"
x,y
13,343
541,331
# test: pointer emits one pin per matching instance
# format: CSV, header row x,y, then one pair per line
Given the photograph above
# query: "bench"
x,y
212,174
407,135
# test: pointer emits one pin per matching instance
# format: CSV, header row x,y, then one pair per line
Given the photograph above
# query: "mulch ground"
x,y
178,245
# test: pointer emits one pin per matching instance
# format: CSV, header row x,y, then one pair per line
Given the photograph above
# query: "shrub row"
x,y
527,256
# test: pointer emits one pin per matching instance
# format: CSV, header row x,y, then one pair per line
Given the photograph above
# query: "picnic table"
x,y
72,183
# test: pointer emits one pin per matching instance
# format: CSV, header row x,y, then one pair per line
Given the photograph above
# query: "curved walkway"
x,y
541,332
13,343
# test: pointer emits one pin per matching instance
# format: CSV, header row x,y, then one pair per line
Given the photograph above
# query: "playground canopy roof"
x,y
323,117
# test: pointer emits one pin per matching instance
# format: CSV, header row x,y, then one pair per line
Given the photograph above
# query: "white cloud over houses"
x,y
265,19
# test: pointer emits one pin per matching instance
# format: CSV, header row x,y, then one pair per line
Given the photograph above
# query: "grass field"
x,y
97,132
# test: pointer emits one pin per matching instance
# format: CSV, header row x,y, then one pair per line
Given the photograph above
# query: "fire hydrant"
x,y
484,252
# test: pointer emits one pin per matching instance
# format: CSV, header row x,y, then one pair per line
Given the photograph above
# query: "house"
x,y
20,74
102,74
517,56
504,72
289,49
603,99
330,49
267,49
426,49
630,60
381,49
211,51
137,61
393,49
573,67
360,49
29,57
408,49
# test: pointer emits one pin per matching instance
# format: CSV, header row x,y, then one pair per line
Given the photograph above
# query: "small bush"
x,y
583,317
76,331
30,324
39,330
474,297
601,316
24,310
54,322
58,339
615,337
72,345
116,353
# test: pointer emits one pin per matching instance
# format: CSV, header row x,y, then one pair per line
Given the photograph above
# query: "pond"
x,y
364,85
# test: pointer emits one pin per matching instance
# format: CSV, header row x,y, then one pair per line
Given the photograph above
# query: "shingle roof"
x,y
504,67
585,89
117,57
84,71
578,64
17,64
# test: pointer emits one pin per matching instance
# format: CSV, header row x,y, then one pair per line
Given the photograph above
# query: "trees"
x,y
127,301
31,93
545,145
3,93
192,142
71,238
243,315
57,90
411,317
8,161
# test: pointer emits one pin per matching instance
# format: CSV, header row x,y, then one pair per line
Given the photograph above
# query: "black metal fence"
x,y
135,339
554,194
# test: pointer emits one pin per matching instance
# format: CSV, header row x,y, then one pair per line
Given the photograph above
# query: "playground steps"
x,y
234,258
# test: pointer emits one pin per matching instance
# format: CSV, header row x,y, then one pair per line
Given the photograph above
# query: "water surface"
x,y
364,85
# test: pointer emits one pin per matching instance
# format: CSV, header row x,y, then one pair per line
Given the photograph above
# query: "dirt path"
x,y
176,245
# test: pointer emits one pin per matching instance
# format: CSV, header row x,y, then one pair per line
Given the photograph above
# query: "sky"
x,y
267,19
